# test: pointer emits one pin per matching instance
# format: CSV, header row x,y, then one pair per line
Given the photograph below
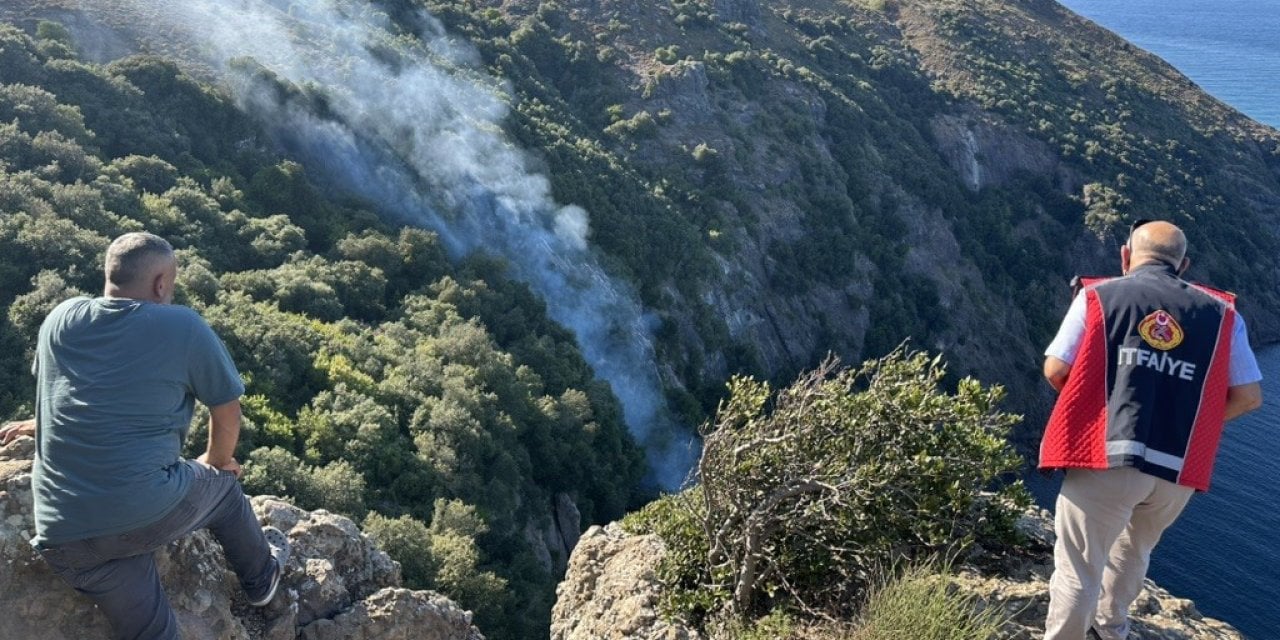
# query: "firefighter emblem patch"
x,y
1160,330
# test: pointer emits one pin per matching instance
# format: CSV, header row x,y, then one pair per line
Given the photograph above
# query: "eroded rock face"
x,y
747,11
338,583
611,591
985,152
396,614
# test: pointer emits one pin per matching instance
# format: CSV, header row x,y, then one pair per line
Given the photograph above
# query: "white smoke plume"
x,y
412,123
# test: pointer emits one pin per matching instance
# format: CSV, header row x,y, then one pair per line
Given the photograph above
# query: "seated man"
x,y
117,379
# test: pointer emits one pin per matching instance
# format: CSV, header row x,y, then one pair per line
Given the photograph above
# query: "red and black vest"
x,y
1148,388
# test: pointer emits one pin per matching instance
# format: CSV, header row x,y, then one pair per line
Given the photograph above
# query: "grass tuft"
x,y
920,604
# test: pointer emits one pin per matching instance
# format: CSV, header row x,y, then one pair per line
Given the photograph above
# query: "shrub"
x,y
1104,209
336,487
917,603
803,491
408,541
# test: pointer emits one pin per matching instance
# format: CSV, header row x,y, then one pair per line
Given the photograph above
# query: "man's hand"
x,y
11,431
228,465
224,432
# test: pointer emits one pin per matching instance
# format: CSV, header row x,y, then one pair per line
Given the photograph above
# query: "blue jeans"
x,y
118,572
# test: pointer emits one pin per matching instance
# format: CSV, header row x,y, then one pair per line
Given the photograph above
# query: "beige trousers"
x,y
1107,524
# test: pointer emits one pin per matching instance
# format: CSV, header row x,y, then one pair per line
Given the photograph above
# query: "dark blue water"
x,y
1224,552
1231,48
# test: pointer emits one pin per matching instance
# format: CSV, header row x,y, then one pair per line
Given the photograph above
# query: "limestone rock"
x,y
1155,615
338,584
611,591
568,522
986,152
553,539
397,614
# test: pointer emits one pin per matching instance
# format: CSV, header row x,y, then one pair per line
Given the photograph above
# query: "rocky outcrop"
x,y
1156,614
744,11
554,540
985,152
338,583
1021,591
611,591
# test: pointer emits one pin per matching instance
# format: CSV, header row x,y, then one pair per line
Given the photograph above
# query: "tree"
x,y
29,310
148,173
36,110
336,487
408,541
1104,209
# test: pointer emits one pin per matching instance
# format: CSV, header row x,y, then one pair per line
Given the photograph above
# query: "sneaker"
x,y
1093,634
280,555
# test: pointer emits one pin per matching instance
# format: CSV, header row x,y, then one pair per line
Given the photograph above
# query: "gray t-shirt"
x,y
116,385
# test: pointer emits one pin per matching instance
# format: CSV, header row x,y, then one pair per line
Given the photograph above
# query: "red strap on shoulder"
x,y
1089,281
1079,283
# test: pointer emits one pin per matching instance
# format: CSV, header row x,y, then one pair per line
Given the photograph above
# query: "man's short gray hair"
x,y
133,255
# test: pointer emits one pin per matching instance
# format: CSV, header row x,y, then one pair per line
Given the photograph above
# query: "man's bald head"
x,y
1157,241
134,260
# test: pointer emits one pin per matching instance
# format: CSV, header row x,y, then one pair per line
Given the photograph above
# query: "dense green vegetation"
x,y
434,402
807,492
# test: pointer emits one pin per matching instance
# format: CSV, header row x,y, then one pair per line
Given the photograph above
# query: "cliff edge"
x,y
338,584
611,592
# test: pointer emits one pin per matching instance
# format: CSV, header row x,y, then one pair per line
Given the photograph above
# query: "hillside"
x,y
461,249
432,401
853,174
779,180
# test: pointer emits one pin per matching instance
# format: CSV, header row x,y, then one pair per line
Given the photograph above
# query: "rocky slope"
x,y
875,170
338,585
784,179
611,592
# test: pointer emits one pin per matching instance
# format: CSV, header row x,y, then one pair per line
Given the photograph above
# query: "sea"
x,y
1224,552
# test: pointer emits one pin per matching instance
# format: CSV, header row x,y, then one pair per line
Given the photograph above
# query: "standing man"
x,y
1149,367
117,379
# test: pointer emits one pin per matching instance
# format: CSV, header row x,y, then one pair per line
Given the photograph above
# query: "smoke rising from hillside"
x,y
413,124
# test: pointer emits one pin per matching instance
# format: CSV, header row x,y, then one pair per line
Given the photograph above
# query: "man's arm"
x,y
1242,399
224,433
1056,371
13,430
1066,344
